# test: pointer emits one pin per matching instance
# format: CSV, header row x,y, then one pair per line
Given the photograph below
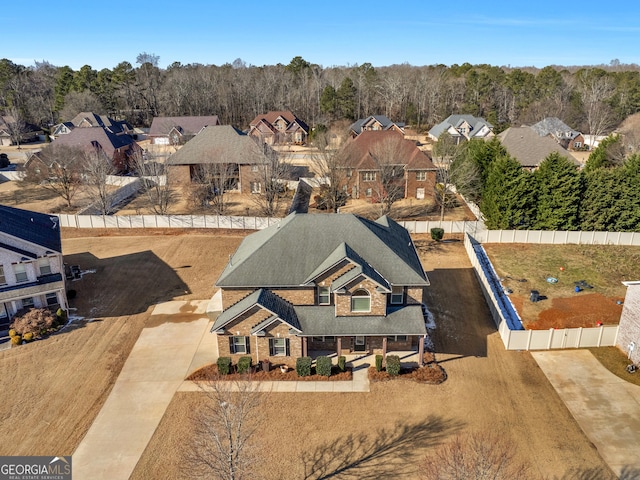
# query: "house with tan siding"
x,y
318,283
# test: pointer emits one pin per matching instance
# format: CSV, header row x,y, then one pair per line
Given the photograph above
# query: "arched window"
x,y
361,301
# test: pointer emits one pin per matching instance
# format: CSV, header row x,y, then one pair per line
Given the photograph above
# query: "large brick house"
x,y
31,266
368,156
462,127
279,127
374,123
243,156
322,283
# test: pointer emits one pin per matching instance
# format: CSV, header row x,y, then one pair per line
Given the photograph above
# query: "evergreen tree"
x,y
346,99
508,196
608,153
601,199
629,219
559,192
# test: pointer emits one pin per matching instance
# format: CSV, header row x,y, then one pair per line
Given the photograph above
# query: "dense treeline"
x,y
604,196
590,99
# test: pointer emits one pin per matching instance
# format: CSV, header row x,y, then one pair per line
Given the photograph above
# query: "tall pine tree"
x,y
559,192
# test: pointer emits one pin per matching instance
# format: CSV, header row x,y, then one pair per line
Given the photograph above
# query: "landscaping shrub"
x,y
244,365
379,359
303,366
323,366
342,360
224,365
393,365
27,337
36,321
16,340
12,333
437,234
61,316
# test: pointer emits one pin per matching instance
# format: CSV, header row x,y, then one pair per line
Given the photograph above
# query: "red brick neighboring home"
x,y
322,283
374,123
279,127
89,120
555,128
118,148
224,145
530,149
178,130
415,170
31,264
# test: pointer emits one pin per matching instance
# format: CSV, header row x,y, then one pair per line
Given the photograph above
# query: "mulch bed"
x,y
431,373
209,372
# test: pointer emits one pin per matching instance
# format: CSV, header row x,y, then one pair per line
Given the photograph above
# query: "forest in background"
x,y
590,99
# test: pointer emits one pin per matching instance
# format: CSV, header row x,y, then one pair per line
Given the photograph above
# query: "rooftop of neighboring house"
x,y
302,247
555,127
456,121
529,148
272,117
220,144
187,125
90,119
89,137
37,228
359,125
360,150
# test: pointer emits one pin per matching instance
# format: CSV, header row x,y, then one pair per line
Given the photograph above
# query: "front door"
x,y
360,345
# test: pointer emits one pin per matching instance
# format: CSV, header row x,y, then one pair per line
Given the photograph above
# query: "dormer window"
x,y
44,265
20,272
397,296
361,301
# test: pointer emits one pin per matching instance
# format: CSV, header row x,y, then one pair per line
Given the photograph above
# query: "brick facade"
x,y
413,184
378,300
629,329
179,174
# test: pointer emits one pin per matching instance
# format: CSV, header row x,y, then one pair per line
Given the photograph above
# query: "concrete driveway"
x,y
157,365
605,406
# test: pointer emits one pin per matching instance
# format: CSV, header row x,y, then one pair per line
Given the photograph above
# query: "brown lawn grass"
x,y
614,360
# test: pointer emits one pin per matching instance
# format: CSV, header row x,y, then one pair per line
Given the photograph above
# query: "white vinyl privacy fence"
x,y
509,324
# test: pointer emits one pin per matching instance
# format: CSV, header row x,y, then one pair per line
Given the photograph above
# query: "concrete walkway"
x,y
605,406
155,368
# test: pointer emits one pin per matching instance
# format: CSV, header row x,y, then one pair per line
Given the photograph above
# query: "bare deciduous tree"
x,y
211,182
154,183
268,185
224,444
596,89
16,125
330,165
97,170
387,155
58,168
445,152
476,456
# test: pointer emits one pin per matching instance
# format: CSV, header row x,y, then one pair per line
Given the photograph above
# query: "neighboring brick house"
x,y
628,339
555,128
90,119
178,130
374,123
119,148
529,148
31,266
416,173
462,127
223,145
279,127
10,129
320,283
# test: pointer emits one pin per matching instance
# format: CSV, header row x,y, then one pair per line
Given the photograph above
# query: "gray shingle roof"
x,y
219,144
529,148
317,321
189,125
279,307
86,137
455,121
384,121
555,127
33,227
289,253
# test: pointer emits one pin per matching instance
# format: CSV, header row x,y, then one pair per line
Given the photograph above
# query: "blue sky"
x,y
103,34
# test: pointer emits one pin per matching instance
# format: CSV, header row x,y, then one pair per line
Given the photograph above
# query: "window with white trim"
x,y
326,338
51,298
368,176
44,265
397,295
27,302
361,301
421,175
324,296
368,192
396,338
256,187
20,272
3,279
279,347
239,344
